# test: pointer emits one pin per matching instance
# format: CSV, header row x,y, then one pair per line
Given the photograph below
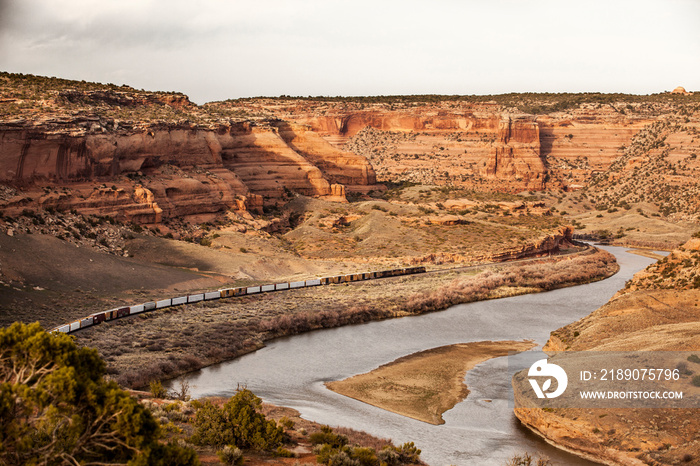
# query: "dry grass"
x,y
174,341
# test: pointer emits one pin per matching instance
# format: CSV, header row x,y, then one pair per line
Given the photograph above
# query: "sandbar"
x,y
424,385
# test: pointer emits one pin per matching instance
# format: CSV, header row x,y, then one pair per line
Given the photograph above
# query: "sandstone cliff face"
x,y
339,166
583,143
484,146
516,154
186,170
470,146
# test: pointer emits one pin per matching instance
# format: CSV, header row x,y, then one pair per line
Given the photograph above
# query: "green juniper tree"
x,y
57,408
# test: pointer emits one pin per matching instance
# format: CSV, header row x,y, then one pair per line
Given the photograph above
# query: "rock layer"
x,y
168,171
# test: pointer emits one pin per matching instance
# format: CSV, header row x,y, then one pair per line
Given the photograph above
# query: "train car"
x,y
313,282
73,326
325,280
136,308
267,288
166,303
241,291
111,314
86,322
123,312
281,286
179,300
149,306
367,275
212,295
63,328
226,293
195,298
98,318
297,284
252,290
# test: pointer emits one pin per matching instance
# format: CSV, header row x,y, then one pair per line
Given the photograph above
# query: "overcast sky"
x,y
219,49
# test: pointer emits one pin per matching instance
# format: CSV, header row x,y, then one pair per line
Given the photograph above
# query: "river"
x,y
480,430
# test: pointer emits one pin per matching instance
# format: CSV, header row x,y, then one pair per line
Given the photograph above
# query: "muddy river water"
x,y
480,430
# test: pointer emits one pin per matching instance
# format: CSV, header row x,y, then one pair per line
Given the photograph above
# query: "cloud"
x,y
217,49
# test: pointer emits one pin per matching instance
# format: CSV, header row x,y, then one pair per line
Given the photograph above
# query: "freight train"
x,y
118,313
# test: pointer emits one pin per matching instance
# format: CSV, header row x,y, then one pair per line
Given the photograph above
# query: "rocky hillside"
x,y
148,157
657,311
680,270
509,142
659,166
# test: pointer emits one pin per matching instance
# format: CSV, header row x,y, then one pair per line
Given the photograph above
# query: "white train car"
x,y
195,298
179,300
212,295
163,303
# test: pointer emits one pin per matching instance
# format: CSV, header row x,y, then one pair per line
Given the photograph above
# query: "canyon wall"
x,y
483,146
175,170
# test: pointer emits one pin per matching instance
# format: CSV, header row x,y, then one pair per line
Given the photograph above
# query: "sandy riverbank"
x,y
426,384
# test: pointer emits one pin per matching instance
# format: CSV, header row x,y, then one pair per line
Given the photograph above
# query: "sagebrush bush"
x,y
328,437
231,456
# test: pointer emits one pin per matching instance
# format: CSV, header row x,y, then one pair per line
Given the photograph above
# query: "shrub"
x,y
327,436
170,454
286,422
365,456
230,455
527,460
694,358
57,408
283,453
342,458
408,453
183,392
237,423
696,380
212,427
405,454
157,390
389,456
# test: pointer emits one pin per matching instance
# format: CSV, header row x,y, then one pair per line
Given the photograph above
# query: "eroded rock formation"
x,y
516,155
174,170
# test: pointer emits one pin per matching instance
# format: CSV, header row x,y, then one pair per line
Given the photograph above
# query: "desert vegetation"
x,y
680,270
165,344
657,167
56,407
